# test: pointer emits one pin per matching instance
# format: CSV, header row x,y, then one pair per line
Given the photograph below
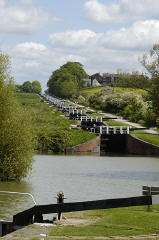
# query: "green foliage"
x,y
36,87
16,139
67,80
132,80
151,63
28,87
128,104
133,111
51,129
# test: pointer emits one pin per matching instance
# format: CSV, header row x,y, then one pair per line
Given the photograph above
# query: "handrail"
x,y
29,194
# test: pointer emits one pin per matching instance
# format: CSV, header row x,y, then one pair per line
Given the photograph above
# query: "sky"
x,y
103,35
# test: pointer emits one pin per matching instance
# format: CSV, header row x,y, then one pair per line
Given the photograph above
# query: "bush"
x,y
133,111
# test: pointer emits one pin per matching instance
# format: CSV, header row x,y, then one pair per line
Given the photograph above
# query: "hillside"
x,y
50,127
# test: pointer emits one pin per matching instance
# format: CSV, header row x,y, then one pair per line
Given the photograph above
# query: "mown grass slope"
x,y
51,128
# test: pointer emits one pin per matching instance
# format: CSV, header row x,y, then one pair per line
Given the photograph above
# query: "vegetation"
x,y
132,80
16,139
28,87
120,222
67,80
51,128
113,222
147,137
151,63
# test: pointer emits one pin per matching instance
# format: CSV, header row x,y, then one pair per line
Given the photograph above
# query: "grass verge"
x,y
51,128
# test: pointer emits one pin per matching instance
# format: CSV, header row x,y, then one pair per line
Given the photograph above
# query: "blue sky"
x,y
41,35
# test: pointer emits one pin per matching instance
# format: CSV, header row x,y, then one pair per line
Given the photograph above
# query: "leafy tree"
x,y
67,80
36,87
27,87
16,138
151,63
132,80
133,111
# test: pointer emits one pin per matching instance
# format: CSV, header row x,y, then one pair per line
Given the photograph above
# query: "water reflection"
x,y
147,176
11,204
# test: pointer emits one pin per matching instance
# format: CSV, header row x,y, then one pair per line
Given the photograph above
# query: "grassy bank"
x,y
147,137
119,222
51,128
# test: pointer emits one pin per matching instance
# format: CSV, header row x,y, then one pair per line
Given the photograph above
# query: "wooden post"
x,y
149,194
60,199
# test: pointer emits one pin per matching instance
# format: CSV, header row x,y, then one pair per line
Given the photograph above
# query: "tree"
x,y
16,147
36,87
151,63
132,80
67,80
27,87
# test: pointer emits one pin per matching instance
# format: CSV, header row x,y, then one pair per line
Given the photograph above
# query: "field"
x,y
92,90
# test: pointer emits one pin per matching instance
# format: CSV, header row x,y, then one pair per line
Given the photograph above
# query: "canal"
x,y
89,177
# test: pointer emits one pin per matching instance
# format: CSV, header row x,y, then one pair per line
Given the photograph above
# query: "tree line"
x,y
30,87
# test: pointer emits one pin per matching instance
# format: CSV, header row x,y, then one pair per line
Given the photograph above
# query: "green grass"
x,y
47,122
116,123
131,221
90,91
132,90
114,222
147,137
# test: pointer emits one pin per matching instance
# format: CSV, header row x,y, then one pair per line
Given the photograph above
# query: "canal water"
x,y
81,178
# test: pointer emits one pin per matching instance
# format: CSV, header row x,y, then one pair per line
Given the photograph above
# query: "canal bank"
x,y
101,224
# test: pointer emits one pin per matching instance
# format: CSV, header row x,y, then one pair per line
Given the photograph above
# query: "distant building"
x,y
106,79
96,76
109,78
95,83
91,82
87,82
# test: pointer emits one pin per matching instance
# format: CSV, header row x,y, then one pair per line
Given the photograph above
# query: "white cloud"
x,y
121,11
73,39
141,35
22,17
99,52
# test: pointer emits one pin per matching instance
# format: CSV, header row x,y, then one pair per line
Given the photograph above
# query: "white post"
x,y
114,130
121,130
42,236
128,130
107,130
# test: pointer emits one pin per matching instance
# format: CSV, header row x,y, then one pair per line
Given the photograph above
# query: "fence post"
x,y
149,194
60,199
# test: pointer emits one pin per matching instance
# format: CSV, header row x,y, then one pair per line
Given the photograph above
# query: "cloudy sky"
x,y
104,35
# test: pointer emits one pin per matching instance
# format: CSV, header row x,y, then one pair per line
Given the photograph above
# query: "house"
x,y
105,79
96,76
91,82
